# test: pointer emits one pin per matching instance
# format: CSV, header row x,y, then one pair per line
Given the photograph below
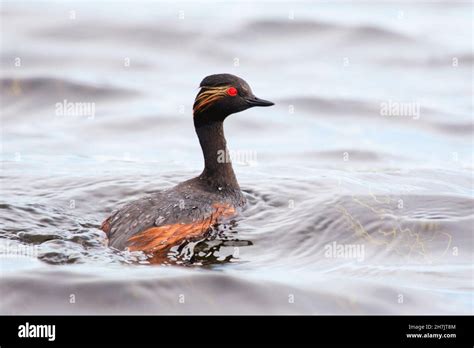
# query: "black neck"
x,y
217,166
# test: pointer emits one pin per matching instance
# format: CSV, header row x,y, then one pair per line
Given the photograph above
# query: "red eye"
x,y
232,91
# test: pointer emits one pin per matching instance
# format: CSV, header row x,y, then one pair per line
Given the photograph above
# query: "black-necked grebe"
x,y
155,223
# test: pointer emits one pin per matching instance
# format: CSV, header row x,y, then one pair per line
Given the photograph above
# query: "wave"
x,y
353,154
323,106
462,59
154,35
302,28
169,291
33,93
58,88
405,229
454,129
289,225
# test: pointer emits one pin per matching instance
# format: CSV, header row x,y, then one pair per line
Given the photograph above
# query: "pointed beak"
x,y
254,101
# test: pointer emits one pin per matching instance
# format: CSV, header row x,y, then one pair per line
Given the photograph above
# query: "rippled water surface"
x,y
323,169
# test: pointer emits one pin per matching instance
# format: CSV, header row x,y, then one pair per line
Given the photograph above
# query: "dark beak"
x,y
254,101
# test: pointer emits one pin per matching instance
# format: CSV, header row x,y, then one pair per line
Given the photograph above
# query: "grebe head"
x,y
221,95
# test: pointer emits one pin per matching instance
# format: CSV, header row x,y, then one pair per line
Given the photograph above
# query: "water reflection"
x,y
216,249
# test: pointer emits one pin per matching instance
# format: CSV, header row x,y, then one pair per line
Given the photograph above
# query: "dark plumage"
x,y
166,218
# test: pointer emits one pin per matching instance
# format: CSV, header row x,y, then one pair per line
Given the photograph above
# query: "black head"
x,y
222,95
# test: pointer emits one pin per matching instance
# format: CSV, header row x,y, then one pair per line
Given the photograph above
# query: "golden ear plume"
x,y
208,96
